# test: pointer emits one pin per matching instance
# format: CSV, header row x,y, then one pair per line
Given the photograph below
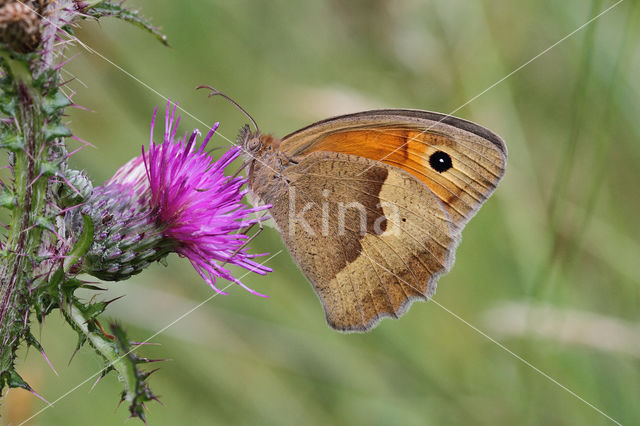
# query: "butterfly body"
x,y
371,205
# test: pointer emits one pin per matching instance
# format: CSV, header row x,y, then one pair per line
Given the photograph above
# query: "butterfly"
x,y
371,205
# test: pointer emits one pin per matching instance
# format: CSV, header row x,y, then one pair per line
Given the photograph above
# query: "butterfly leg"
x,y
246,243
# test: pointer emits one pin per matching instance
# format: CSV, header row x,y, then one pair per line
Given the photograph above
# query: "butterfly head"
x,y
249,141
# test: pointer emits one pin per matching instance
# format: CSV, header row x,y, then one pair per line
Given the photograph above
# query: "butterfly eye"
x,y
440,161
254,144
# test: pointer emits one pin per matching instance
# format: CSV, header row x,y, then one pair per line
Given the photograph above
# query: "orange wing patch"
x,y
476,166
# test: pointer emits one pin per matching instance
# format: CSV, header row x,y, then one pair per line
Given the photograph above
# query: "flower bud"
x,y
126,236
19,26
75,189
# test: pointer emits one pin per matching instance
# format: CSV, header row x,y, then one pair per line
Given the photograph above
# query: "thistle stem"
x,y
79,320
23,239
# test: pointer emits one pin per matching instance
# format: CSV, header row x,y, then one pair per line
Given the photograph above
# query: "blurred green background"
x,y
548,268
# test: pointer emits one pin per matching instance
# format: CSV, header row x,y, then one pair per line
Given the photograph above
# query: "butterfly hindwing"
x,y
370,237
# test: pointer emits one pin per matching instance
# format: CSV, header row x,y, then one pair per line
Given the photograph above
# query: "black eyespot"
x,y
404,219
440,161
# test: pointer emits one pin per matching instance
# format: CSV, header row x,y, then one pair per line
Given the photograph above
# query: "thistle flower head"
x,y
173,198
200,207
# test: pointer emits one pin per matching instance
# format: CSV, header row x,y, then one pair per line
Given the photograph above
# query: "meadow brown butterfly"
x,y
371,205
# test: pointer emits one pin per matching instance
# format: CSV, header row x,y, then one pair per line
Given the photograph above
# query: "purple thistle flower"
x,y
173,198
201,208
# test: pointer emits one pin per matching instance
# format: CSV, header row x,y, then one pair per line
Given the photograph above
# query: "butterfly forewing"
x,y
413,140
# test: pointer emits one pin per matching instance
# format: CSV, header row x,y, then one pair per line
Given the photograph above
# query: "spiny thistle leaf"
x,y
7,199
12,379
106,8
11,142
83,243
32,341
8,104
92,310
56,130
55,101
140,393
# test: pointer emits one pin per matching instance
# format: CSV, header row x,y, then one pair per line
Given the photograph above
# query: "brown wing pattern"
x,y
395,240
407,139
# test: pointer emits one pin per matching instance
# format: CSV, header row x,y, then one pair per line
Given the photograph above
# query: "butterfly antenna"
x,y
215,92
